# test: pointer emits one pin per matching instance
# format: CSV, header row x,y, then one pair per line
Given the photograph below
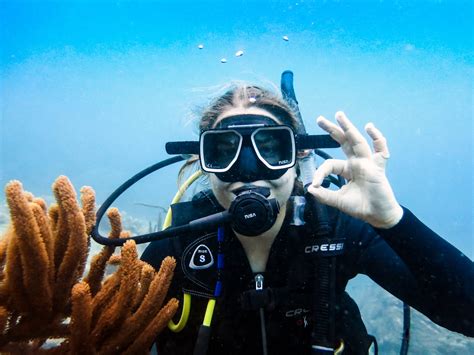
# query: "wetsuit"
x,y
409,260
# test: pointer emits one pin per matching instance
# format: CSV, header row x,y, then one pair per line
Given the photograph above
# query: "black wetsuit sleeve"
x,y
416,265
444,275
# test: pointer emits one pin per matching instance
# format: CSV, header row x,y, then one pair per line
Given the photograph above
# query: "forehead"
x,y
245,111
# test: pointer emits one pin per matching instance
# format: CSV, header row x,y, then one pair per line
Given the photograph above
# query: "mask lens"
x,y
275,146
219,150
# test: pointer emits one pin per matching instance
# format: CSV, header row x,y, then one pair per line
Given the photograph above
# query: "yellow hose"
x,y
184,315
178,196
209,312
186,297
340,349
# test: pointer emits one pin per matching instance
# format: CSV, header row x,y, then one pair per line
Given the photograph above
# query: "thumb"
x,y
323,195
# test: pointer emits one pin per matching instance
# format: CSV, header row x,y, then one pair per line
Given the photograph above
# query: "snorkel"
x,y
323,334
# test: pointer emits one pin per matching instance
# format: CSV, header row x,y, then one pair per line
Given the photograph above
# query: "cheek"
x,y
283,187
219,188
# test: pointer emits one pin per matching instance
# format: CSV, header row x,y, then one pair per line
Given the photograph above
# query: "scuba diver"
x,y
276,275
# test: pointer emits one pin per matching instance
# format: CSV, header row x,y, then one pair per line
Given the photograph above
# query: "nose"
x,y
248,165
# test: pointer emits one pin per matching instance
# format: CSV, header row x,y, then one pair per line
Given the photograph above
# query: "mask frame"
x,y
247,136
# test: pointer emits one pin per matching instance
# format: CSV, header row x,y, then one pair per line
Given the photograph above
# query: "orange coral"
x,y
99,261
32,254
80,340
42,259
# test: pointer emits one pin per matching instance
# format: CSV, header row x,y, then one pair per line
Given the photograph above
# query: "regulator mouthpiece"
x,y
252,213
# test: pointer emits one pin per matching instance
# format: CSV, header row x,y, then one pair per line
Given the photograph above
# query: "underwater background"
x,y
94,89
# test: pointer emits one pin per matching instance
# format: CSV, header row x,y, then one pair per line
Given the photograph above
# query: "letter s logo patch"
x,y
202,258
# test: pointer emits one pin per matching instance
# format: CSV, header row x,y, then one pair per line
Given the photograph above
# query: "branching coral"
x,y
44,294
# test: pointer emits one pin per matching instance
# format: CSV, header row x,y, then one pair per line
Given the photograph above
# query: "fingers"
x,y
325,196
352,141
337,133
330,166
378,140
358,143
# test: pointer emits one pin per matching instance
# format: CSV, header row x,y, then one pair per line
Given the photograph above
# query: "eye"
x,y
267,146
274,145
225,146
266,142
227,142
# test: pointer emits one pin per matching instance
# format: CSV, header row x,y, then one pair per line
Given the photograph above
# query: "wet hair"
x,y
247,96
243,96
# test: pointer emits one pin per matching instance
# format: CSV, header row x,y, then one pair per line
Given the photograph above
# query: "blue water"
x,y
93,89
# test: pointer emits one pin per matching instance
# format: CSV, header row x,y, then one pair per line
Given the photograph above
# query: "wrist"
x,y
390,219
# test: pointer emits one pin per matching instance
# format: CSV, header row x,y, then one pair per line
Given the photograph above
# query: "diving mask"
x,y
247,148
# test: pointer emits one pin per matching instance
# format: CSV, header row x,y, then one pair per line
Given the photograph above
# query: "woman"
x,y
381,239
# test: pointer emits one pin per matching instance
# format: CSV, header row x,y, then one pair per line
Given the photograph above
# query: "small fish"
x,y
201,46
285,38
239,53
223,60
